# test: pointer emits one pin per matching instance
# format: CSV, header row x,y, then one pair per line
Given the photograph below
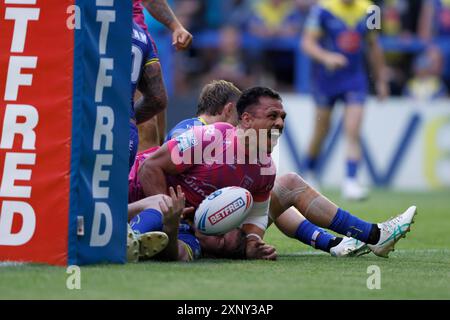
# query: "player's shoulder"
x,y
219,126
189,123
182,127
223,125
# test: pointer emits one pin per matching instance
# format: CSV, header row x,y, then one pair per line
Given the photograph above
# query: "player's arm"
x,y
311,46
257,218
153,170
376,58
254,226
154,96
174,157
160,10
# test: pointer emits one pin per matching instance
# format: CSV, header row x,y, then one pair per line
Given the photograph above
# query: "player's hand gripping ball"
x,y
223,210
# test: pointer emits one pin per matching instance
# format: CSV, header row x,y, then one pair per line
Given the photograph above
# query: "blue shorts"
x,y
349,98
133,145
187,234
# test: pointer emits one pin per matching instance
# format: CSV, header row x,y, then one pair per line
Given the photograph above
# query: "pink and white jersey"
x,y
210,158
138,14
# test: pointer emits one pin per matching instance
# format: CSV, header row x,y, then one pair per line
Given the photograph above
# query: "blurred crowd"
x,y
420,70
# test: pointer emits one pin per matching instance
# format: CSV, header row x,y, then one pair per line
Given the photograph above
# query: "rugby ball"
x,y
223,210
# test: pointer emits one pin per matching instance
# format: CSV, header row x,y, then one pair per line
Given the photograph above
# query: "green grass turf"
x,y
418,269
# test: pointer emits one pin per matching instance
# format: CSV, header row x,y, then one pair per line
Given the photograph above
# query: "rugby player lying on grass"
x,y
259,109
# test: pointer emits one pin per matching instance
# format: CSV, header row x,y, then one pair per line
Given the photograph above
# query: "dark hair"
x,y
215,96
250,97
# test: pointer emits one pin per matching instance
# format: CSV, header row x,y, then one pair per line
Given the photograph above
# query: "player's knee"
x,y
291,188
291,181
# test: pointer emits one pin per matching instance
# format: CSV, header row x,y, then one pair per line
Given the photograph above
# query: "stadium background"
x,y
257,42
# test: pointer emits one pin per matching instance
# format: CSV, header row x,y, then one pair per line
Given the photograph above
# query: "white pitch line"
x,y
319,253
294,254
11,264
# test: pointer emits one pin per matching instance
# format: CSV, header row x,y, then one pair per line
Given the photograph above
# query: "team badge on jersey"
x,y
186,140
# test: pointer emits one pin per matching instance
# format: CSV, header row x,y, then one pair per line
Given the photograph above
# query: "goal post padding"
x,y
65,70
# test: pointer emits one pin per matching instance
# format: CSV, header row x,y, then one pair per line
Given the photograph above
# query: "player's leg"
x,y
145,233
148,130
351,189
292,190
151,84
160,231
294,225
321,128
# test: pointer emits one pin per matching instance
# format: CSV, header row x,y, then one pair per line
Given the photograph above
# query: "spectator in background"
x,y
434,19
294,22
230,62
426,83
399,19
268,17
267,23
191,14
435,23
239,12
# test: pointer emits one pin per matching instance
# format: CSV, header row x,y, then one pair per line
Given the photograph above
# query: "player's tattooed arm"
x,y
154,95
160,10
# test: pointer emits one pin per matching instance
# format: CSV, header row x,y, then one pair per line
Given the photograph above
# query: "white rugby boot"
x,y
132,246
392,231
352,190
152,243
349,247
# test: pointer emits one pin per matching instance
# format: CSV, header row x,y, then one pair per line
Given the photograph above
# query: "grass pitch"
x,y
418,269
